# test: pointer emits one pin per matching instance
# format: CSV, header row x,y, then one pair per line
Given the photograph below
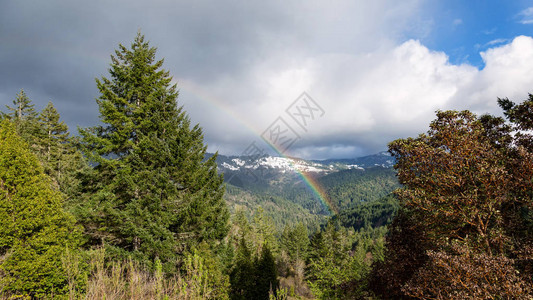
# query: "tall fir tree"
x,y
151,193
60,158
242,275
265,232
34,230
295,242
23,116
55,135
266,274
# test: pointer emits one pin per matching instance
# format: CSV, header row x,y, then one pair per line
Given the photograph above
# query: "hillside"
x,y
276,184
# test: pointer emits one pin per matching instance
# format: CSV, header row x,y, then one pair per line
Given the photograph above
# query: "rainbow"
x,y
309,180
311,183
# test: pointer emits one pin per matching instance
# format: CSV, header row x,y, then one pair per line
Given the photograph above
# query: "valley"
x,y
281,186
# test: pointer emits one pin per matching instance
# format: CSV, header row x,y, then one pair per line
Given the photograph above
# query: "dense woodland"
x,y
133,208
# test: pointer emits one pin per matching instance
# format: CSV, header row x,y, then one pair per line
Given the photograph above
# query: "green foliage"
x,y
150,194
130,280
265,231
455,179
372,214
253,277
34,230
340,261
242,274
256,233
283,209
57,151
253,271
266,274
154,203
280,294
49,139
295,242
350,188
289,203
23,116
205,272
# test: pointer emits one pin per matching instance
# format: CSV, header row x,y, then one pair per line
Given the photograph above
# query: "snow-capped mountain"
x,y
283,164
276,168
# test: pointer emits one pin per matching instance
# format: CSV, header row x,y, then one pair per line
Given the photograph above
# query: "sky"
x,y
317,79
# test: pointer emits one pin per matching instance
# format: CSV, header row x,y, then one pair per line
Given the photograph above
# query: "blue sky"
x,y
378,69
463,28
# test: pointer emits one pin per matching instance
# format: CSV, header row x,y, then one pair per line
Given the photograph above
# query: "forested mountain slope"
x,y
277,185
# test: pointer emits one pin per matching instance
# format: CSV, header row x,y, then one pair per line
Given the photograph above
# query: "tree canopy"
x,y
464,226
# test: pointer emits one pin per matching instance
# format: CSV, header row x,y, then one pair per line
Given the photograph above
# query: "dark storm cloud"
x,y
55,49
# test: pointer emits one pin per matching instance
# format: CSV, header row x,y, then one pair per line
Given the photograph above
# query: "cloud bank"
x,y
373,98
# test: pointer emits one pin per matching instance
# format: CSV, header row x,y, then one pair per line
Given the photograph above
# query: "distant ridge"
x,y
238,164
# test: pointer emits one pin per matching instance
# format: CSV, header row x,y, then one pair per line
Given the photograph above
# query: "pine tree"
x,y
266,274
24,116
52,142
265,231
34,230
55,132
331,263
295,241
150,193
242,276
58,152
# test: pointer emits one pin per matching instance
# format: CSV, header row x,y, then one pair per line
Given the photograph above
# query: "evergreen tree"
x,y
265,232
24,116
150,193
55,135
266,274
60,158
295,241
338,263
34,230
242,276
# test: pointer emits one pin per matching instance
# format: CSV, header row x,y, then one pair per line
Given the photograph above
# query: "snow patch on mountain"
x,y
228,166
290,165
238,162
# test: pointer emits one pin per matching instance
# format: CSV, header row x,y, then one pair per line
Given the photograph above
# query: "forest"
x,y
133,208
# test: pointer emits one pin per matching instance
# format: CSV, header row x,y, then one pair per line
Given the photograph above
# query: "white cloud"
x,y
507,73
526,16
496,42
373,98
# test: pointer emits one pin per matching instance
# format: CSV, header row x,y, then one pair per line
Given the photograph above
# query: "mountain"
x,y
247,164
277,185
